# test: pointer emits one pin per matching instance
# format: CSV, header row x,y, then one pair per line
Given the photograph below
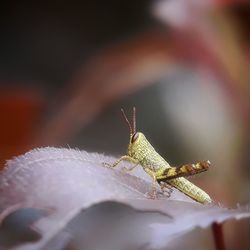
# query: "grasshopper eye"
x,y
134,137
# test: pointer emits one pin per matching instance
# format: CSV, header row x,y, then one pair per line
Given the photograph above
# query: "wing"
x,y
184,170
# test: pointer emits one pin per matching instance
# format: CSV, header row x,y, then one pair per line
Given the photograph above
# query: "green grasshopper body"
x,y
141,152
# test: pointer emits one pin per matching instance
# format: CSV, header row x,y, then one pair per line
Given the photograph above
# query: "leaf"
x,y
71,184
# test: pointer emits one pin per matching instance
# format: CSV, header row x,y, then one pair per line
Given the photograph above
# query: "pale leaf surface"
x,y
67,182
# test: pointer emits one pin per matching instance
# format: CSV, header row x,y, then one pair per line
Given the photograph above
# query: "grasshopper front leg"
x,y
124,158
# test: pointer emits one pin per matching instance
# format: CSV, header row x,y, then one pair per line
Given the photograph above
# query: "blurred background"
x,y
67,67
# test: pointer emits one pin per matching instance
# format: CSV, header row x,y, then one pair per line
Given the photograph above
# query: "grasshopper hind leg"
x,y
183,171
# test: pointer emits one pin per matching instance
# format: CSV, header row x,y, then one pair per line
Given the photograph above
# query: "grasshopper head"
x,y
136,139
136,142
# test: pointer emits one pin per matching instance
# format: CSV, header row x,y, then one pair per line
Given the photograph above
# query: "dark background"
x,y
67,67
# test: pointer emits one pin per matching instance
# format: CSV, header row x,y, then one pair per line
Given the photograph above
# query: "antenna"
x,y
127,121
134,120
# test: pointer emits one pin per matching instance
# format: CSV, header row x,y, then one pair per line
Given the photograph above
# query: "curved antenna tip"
x,y
127,121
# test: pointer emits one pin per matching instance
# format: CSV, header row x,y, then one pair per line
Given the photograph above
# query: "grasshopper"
x,y
141,152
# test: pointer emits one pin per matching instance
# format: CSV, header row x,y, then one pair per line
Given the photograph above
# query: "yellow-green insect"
x,y
141,152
